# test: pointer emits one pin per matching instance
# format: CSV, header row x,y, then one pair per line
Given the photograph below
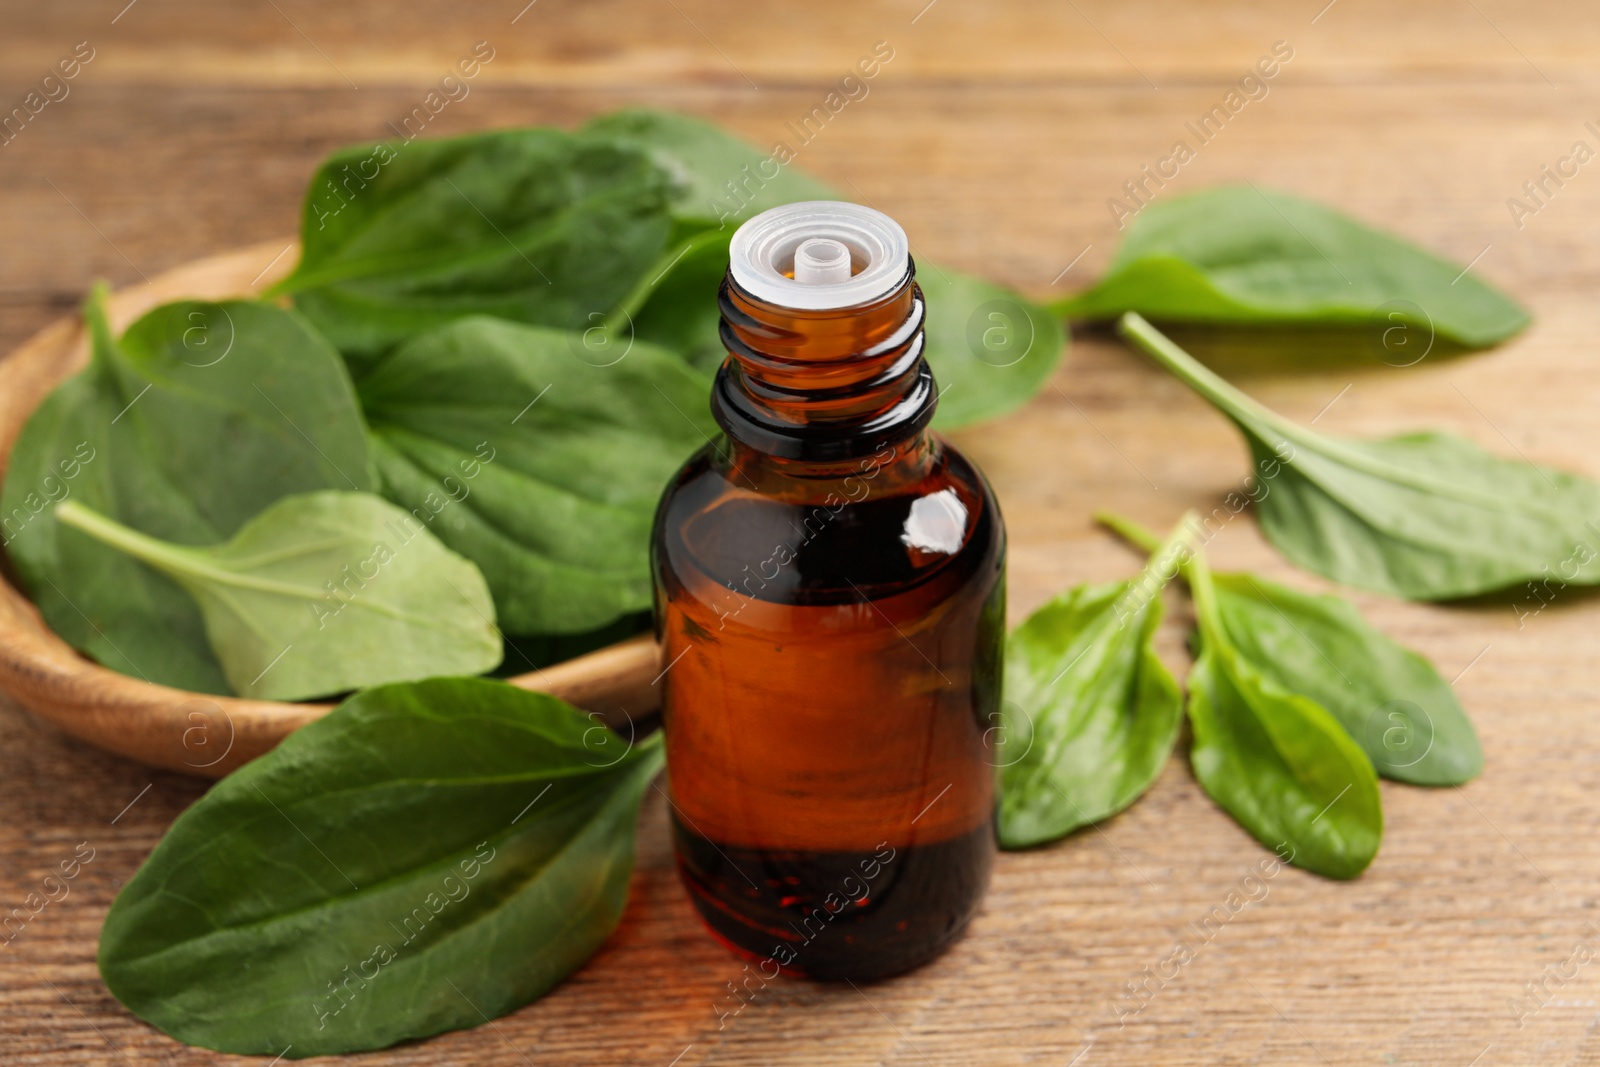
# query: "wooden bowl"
x,y
195,732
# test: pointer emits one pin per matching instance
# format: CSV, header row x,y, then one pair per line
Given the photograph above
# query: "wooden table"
x,y
996,134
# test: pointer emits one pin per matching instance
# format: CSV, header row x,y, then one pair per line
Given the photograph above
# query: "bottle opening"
x,y
823,261
820,255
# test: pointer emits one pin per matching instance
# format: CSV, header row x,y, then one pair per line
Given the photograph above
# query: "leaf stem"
x,y
1134,328
1141,537
1197,572
1167,559
108,531
102,342
1195,569
1175,554
182,564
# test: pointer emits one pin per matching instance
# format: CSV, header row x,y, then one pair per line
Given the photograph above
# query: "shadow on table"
x,y
1239,352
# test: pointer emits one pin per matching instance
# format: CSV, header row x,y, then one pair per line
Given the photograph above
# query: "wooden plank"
x,y
1022,181
615,42
996,134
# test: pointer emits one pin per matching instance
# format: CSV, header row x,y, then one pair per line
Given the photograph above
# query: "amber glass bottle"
x,y
830,601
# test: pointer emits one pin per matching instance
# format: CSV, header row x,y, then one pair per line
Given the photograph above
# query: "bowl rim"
x,y
200,733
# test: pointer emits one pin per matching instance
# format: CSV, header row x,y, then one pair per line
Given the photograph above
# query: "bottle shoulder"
x,y
866,533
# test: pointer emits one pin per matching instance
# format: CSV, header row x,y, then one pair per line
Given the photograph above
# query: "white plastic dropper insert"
x,y
820,255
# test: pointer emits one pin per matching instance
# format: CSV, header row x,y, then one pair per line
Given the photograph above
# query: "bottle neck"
x,y
824,386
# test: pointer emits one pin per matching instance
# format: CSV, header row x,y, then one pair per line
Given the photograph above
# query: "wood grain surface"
x,y
996,135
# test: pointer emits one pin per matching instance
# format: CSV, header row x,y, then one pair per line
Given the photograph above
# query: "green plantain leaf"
x,y
1090,712
1273,758
990,349
323,593
1427,516
619,230
717,180
1390,700
533,225
426,856
1240,256
681,313
1276,760
541,467
202,416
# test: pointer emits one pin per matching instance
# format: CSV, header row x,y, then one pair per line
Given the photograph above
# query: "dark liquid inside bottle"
x,y
830,601
910,902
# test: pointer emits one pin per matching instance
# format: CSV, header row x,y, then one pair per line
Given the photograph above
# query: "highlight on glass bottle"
x,y
830,599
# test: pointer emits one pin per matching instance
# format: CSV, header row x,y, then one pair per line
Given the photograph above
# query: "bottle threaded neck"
x,y
823,384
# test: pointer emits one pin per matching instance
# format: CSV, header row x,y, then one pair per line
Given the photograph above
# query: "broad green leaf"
x,y
323,593
426,856
533,225
1390,700
198,419
625,221
1426,516
680,314
717,179
541,467
1090,714
990,349
1276,760
1241,256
